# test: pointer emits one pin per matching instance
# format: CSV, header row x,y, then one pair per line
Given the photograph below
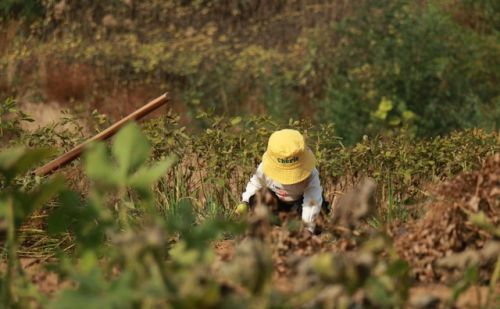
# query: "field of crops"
x,y
398,101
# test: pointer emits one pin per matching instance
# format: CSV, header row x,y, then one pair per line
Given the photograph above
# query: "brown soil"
x,y
224,250
66,82
440,296
45,281
437,294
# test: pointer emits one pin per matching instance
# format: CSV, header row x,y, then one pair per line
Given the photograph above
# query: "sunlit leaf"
x,y
146,176
99,166
17,161
235,121
131,148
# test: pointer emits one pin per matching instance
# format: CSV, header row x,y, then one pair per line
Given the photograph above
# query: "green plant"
x,y
471,277
153,268
16,206
493,283
21,9
406,70
11,118
395,209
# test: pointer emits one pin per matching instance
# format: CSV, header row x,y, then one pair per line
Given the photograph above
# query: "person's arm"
x,y
255,184
313,198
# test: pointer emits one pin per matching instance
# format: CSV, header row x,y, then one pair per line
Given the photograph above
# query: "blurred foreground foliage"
x,y
141,238
426,67
126,263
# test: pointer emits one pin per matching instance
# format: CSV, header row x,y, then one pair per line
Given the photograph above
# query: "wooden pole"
x,y
110,131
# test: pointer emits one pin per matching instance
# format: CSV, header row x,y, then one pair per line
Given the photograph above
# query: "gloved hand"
x,y
309,214
242,209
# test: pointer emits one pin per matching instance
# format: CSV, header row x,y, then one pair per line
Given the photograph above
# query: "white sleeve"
x,y
256,183
313,198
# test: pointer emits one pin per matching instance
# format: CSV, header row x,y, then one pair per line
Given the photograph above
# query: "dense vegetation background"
x,y
425,67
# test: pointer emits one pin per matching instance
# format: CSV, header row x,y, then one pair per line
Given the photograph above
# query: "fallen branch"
x,y
110,131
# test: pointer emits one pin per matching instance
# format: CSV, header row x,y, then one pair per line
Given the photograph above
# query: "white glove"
x,y
309,214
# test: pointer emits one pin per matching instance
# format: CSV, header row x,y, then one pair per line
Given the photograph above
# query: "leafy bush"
x,y
11,118
414,64
21,8
140,253
16,207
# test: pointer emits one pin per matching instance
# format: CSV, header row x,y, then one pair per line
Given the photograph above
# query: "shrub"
x,y
21,8
435,73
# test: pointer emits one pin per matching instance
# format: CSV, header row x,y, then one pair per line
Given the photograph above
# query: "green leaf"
x,y
409,115
47,191
99,166
398,268
17,161
389,154
482,221
377,292
184,256
9,157
88,261
26,203
471,275
63,216
394,121
147,176
131,148
235,121
386,105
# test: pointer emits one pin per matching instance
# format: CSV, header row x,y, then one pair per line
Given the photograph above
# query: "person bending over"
x,y
288,171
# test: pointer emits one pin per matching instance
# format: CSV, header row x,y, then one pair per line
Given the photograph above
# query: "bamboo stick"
x,y
110,131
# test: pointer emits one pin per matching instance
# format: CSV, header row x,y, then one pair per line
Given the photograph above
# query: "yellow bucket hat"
x,y
287,159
